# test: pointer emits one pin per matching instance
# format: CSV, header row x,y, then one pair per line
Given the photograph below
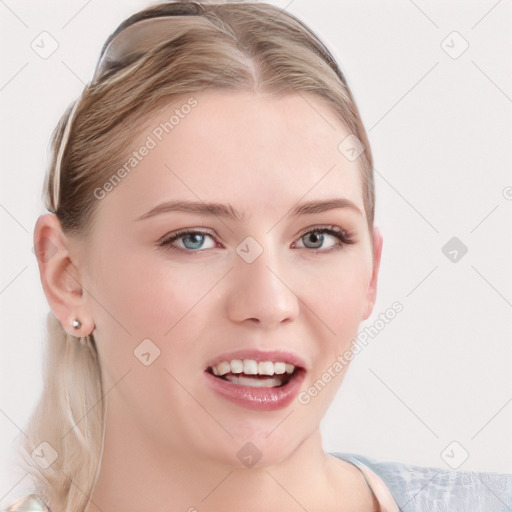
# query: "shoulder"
x,y
419,489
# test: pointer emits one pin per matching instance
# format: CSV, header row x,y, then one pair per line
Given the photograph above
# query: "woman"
x,y
209,253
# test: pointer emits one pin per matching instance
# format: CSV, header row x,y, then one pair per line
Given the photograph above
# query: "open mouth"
x,y
258,374
257,380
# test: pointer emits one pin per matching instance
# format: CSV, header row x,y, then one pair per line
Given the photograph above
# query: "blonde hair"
x,y
237,46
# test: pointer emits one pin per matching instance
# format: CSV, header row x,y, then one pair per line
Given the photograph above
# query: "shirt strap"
x,y
378,487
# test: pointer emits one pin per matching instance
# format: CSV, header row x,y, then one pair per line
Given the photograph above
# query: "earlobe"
x,y
59,277
372,286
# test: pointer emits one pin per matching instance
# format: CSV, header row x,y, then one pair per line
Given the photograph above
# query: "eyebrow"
x,y
223,210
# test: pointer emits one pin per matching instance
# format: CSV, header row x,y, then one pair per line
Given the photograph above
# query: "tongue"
x,y
268,381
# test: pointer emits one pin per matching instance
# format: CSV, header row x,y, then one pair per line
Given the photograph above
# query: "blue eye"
x,y
193,241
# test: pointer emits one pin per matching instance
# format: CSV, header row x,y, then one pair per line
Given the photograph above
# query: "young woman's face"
x,y
231,292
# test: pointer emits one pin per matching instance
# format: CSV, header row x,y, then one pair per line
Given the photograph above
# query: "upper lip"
x,y
284,356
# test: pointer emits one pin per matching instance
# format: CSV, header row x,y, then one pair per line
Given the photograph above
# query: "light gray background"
x,y
440,130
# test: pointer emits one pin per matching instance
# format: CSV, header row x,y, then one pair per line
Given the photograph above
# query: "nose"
x,y
261,293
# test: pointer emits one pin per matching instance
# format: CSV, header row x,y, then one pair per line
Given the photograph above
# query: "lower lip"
x,y
256,398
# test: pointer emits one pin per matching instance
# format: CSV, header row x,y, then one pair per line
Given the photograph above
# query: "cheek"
x,y
337,293
147,305
148,294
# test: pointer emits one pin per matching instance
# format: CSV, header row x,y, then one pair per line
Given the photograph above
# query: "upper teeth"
x,y
252,367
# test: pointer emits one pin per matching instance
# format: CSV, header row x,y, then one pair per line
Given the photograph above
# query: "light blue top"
x,y
428,489
413,489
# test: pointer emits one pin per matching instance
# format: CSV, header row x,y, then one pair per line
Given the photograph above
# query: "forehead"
x,y
243,147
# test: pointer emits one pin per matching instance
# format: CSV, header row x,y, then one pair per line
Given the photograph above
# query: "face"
x,y
179,295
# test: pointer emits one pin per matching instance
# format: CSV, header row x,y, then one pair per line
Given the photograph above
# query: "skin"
x,y
170,439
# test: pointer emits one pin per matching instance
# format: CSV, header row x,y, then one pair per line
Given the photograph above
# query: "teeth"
x,y
252,367
223,368
279,368
266,368
237,366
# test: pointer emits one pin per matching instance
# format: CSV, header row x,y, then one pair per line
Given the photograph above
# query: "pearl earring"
x,y
76,324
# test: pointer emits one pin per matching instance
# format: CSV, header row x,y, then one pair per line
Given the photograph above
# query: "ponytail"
x,y
64,435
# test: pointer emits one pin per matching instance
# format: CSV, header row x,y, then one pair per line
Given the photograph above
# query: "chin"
x,y
257,443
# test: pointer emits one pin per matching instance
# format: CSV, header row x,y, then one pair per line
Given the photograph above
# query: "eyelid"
x,y
320,227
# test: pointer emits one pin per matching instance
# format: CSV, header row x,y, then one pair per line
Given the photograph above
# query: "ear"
x,y
60,277
372,285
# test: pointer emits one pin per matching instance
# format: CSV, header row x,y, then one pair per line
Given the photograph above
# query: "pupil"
x,y
318,236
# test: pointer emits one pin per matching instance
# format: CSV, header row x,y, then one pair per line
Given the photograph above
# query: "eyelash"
x,y
344,237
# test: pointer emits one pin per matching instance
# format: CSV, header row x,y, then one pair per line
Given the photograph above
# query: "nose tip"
x,y
261,294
